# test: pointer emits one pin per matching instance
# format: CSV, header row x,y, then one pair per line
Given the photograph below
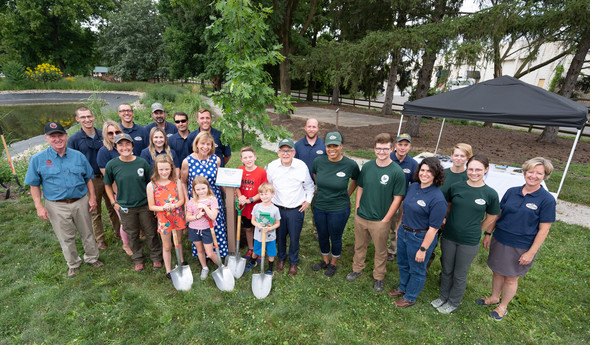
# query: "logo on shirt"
x,y
319,152
168,135
137,138
531,206
480,201
384,179
407,171
48,161
421,203
340,174
140,172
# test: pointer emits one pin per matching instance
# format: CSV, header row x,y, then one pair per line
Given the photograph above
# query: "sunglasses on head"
x,y
181,121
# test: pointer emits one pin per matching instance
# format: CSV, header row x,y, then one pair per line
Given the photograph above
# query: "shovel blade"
x,y
261,285
224,279
182,278
236,266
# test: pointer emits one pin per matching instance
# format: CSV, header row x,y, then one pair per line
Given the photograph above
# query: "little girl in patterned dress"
x,y
201,206
166,198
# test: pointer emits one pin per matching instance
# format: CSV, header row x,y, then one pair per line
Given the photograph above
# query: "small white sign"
x,y
227,177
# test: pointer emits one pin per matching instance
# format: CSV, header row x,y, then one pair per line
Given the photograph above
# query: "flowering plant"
x,y
44,72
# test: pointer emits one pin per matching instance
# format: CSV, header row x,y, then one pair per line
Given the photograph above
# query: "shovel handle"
x,y
176,239
212,232
262,251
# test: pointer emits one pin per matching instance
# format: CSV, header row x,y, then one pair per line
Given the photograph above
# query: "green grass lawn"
x,y
117,305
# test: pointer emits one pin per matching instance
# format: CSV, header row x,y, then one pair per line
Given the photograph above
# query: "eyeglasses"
x,y
180,121
126,111
85,117
114,133
283,152
379,149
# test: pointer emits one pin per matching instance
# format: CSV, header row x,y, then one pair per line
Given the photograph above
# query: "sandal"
x,y
157,265
496,316
138,267
482,301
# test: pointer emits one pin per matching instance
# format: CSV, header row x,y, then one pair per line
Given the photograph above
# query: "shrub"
x,y
14,71
164,93
44,72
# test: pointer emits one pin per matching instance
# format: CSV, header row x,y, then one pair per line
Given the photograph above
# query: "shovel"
x,y
182,277
237,263
261,283
21,188
223,277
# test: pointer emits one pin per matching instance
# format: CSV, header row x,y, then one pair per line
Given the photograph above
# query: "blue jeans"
x,y
330,226
291,224
412,274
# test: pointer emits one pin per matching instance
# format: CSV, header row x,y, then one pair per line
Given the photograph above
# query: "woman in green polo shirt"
x,y
331,209
474,207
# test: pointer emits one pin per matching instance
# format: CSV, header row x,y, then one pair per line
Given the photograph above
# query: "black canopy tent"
x,y
503,100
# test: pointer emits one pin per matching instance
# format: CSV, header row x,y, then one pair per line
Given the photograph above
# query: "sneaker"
x,y
437,302
330,271
96,264
390,257
101,245
156,265
497,317
138,268
168,276
72,272
268,272
250,266
319,266
446,308
248,256
353,275
204,273
378,285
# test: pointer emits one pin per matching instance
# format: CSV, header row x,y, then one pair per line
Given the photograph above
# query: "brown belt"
x,y
68,201
412,230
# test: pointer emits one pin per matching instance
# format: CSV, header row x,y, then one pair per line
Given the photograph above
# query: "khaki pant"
x,y
392,249
65,218
364,231
97,213
141,218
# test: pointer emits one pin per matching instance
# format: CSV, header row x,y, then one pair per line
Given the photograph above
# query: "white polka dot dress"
x,y
208,169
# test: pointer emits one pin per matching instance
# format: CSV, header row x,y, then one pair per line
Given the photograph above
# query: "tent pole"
x,y
439,135
399,128
569,161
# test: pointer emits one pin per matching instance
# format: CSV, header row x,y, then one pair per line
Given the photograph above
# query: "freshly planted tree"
x,y
247,90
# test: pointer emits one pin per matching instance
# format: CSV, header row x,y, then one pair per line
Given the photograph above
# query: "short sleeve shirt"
x,y
424,207
170,128
308,153
380,185
273,213
251,180
521,214
332,181
451,178
89,146
145,154
221,150
139,135
201,223
131,179
408,165
104,156
469,206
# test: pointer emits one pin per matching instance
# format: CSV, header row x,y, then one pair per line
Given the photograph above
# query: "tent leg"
x,y
399,128
439,135
569,160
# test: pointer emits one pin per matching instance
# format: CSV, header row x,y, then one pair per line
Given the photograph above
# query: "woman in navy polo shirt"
x,y
527,215
424,210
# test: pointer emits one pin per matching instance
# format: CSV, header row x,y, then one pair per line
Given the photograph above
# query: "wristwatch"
x,y
251,200
487,233
422,249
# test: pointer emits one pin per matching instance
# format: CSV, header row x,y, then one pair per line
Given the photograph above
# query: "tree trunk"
x,y
497,69
413,124
310,89
549,134
387,103
335,96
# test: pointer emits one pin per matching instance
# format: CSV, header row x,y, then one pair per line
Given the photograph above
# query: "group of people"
x,y
161,179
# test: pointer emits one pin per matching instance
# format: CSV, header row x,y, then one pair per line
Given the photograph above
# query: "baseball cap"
x,y
52,127
333,138
157,106
287,142
123,136
404,136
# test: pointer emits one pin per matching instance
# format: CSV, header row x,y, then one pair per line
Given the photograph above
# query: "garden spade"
x,y
223,277
182,277
261,283
21,188
236,263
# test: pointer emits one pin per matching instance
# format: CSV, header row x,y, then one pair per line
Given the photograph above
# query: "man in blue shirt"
x,y
88,140
66,177
159,116
310,146
179,141
138,134
403,145
204,120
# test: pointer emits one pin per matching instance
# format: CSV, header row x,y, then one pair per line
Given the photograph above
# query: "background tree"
x,y
243,98
131,41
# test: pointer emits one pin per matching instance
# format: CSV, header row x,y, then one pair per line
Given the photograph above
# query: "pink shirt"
x,y
201,223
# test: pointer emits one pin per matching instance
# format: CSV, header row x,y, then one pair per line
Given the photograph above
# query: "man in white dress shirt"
x,y
294,190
